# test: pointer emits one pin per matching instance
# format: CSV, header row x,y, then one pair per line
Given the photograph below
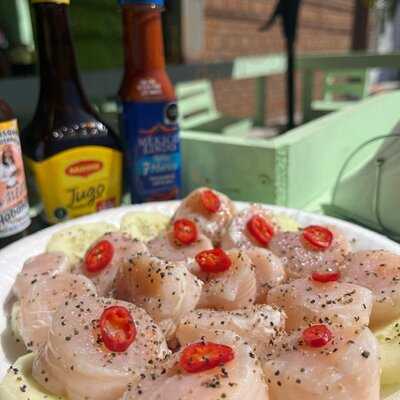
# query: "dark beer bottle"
x,y
14,207
74,158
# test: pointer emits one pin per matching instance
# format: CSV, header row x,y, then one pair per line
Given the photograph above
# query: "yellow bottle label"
x,y
14,207
78,181
50,1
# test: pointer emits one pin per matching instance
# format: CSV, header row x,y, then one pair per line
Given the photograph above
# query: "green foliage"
x,y
97,30
391,5
96,26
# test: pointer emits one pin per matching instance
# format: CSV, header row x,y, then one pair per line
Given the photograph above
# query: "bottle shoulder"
x,y
147,86
6,113
43,138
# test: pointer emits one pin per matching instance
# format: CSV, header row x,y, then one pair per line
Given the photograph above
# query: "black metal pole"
x,y
291,85
360,26
288,11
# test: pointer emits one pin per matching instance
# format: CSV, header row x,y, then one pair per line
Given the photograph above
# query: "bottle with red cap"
x,y
150,116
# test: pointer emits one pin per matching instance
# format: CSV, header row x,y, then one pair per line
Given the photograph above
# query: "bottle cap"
x,y
50,1
157,3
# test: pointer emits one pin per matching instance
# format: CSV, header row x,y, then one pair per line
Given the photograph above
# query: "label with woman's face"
x,y
14,207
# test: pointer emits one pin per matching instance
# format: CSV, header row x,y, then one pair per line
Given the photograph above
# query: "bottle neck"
x,y
6,112
59,77
143,39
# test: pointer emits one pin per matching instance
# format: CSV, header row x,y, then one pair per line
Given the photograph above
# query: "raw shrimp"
x,y
106,256
166,290
269,271
38,268
77,363
167,247
346,368
211,210
307,302
239,378
232,289
301,259
378,271
258,325
238,234
41,302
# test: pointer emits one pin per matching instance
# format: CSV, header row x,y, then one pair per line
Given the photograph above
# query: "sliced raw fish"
x,y
307,302
232,289
378,271
38,268
238,235
258,325
239,379
301,260
76,363
166,290
40,303
123,249
212,222
347,368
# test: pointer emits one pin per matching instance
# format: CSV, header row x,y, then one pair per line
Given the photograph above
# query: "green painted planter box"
x,y
298,169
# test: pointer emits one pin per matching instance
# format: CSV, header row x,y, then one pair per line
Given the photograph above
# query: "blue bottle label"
x,y
151,134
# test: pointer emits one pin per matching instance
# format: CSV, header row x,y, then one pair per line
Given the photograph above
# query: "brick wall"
x,y
232,30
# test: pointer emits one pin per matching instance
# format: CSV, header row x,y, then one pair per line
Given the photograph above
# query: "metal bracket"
x,y
380,162
377,198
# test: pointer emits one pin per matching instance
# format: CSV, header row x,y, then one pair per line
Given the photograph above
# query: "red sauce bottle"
x,y
150,116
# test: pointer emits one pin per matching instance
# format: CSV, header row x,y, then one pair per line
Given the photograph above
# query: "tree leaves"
x,y
390,5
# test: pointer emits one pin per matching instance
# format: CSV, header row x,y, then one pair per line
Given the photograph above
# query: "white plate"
x,y
13,256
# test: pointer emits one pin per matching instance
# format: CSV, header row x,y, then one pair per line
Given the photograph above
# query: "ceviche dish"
x,y
213,303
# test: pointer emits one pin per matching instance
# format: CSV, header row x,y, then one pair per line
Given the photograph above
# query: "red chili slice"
x,y
215,260
99,256
210,201
117,328
199,357
261,230
185,231
319,237
317,336
325,277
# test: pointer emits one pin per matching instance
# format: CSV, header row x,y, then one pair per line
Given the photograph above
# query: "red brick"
x,y
232,30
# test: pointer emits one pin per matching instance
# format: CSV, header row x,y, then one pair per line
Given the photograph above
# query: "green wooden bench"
x,y
341,88
198,111
353,63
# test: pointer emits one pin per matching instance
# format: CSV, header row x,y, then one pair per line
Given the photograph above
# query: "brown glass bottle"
x,y
74,158
14,208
